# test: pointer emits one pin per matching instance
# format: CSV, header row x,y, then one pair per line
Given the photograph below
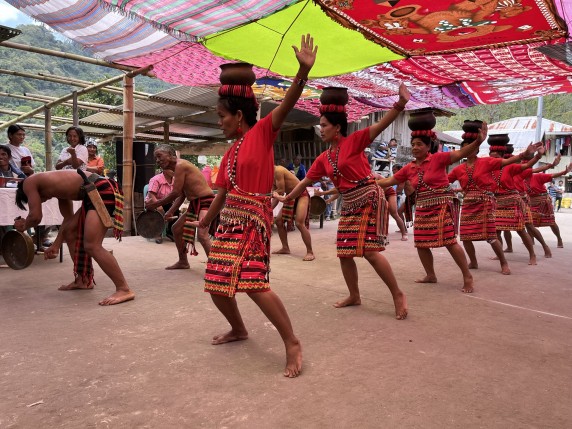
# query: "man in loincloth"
x,y
190,183
297,210
83,231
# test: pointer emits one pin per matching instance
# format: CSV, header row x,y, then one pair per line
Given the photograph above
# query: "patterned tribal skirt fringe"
x,y
542,210
436,219
239,260
478,217
363,223
510,212
528,220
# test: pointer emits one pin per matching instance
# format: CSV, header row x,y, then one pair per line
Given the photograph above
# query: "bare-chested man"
x,y
284,182
84,226
189,183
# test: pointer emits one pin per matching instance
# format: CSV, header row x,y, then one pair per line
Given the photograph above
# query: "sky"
x,y
12,17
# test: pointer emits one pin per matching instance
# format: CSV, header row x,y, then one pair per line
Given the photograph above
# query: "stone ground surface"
x,y
495,359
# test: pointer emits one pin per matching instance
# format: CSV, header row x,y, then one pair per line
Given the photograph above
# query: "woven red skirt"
x,y
510,212
478,217
436,220
542,210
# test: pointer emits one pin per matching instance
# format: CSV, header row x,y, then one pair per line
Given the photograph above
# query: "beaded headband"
x,y
243,91
421,133
468,136
333,108
497,149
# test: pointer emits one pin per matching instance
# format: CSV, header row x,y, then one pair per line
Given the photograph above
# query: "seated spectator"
x,y
392,149
75,155
94,162
21,156
298,168
7,169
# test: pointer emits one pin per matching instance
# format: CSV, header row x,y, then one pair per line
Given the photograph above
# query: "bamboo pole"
x,y
48,137
74,57
128,132
70,96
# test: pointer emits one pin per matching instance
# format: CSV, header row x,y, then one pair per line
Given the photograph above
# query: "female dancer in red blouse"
x,y
541,203
510,214
478,209
239,256
436,216
362,228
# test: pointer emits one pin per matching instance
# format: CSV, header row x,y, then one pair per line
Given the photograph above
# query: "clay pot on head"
x,y
498,140
509,149
334,95
423,119
237,74
471,127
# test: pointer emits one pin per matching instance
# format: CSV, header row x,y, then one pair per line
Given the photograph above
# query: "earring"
x,y
239,130
337,136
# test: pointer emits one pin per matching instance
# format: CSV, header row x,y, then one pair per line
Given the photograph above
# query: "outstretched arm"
x,y
548,166
390,116
528,152
567,170
535,159
306,57
465,151
296,192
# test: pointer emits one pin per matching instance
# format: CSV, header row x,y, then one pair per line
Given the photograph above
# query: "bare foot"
x,y
400,303
349,301
229,337
547,252
474,266
404,237
427,279
283,251
468,285
179,265
494,258
508,250
505,269
118,297
532,260
309,257
77,284
293,360
560,245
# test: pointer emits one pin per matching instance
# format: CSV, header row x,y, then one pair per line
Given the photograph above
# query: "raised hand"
x,y
483,131
533,147
541,150
404,94
556,160
306,55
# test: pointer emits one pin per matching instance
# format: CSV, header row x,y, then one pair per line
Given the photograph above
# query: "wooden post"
x,y
75,114
166,133
128,132
48,138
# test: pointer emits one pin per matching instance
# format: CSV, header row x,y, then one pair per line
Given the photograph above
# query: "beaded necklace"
x,y
338,173
231,170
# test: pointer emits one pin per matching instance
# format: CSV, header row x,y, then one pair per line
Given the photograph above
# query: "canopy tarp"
x,y
179,38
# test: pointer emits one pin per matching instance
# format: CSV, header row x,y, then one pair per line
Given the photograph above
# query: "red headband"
x,y
468,136
337,108
421,133
244,91
497,149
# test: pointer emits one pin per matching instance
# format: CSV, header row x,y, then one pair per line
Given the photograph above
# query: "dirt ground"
x,y
495,359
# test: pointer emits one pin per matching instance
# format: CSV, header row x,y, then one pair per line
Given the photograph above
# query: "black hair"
x,y
13,129
21,197
247,106
338,118
79,132
6,149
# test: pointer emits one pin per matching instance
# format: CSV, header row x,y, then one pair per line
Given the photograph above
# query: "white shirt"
x,y
18,152
80,152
